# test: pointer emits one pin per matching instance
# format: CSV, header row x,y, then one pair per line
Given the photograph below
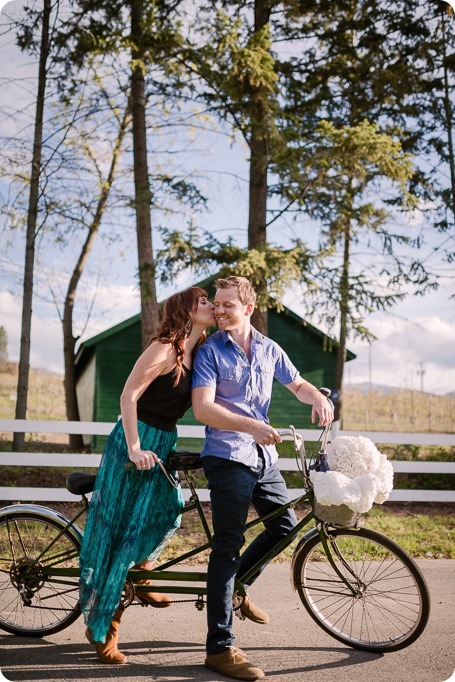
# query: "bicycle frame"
x,y
162,576
368,593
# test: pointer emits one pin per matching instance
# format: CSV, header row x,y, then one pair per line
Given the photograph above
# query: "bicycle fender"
x,y
43,512
308,536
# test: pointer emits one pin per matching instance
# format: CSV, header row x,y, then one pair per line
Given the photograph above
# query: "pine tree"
x,y
144,32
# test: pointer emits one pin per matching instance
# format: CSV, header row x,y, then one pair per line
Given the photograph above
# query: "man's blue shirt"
x,y
242,387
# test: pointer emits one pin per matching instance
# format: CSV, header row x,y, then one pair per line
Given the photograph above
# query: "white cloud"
x,y
46,335
421,329
10,319
113,305
403,350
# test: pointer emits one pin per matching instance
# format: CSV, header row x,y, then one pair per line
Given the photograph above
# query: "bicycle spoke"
x,y
384,610
44,606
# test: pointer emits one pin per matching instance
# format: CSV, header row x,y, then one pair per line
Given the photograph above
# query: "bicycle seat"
x,y
183,460
79,483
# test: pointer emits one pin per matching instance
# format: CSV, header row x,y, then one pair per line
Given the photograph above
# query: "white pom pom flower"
x,y
359,475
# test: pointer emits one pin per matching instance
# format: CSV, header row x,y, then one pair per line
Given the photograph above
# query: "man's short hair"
x,y
245,290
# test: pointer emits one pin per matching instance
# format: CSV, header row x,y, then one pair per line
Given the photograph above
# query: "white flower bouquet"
x,y
359,476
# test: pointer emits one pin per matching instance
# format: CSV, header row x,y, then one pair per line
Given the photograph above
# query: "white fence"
x,y
285,464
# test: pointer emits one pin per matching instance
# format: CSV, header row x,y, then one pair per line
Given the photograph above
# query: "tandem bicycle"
x,y
358,585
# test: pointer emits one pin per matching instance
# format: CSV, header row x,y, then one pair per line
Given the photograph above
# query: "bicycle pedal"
x,y
200,603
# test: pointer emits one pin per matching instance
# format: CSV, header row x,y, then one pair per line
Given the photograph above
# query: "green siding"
x,y
115,358
305,348
316,365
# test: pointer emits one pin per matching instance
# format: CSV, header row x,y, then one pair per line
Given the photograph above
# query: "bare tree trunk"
x,y
32,219
149,304
449,114
344,310
259,160
257,213
69,340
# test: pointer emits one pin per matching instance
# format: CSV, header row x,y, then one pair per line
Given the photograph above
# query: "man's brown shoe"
x,y
233,663
252,612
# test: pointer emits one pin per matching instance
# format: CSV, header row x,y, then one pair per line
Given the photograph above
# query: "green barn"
x,y
104,362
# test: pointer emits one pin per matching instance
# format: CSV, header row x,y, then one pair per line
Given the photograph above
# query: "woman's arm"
x,y
155,360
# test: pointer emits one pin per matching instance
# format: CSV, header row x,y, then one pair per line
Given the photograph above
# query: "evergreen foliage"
x,y
345,108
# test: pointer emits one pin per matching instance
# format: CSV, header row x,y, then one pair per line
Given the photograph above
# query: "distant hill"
x,y
364,387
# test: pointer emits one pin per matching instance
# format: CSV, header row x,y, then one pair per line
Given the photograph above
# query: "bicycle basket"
x,y
338,515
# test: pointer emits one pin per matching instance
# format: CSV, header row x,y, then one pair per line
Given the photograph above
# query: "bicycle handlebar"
x,y
171,479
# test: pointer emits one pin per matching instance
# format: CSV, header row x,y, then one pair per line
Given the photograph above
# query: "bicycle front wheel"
x,y
32,603
375,600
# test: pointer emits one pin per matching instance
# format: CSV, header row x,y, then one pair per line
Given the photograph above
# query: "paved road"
x,y
167,644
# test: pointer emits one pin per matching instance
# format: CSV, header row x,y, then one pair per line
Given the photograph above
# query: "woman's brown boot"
x,y
156,599
108,652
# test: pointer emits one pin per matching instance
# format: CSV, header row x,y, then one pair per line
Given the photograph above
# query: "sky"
x,y
415,342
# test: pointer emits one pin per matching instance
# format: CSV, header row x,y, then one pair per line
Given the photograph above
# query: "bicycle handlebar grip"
x,y
174,483
131,465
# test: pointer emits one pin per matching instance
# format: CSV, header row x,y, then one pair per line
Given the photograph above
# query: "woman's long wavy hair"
x,y
176,324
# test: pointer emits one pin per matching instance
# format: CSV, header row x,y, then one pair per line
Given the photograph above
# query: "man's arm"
x,y
309,394
208,412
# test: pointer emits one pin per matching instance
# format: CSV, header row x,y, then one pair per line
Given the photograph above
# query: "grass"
x,y
423,535
46,398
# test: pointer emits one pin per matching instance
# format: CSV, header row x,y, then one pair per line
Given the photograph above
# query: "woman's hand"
x,y
143,459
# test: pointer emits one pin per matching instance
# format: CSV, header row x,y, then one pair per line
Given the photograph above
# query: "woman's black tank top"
x,y
162,405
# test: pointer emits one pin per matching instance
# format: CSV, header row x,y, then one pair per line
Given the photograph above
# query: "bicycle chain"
x,y
56,608
174,601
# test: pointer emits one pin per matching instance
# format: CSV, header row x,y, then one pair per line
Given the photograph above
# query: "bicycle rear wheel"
x,y
385,605
32,603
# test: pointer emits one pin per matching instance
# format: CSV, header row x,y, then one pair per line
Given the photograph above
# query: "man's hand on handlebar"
x,y
264,434
322,409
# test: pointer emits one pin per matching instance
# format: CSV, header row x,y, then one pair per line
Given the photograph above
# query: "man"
x,y
232,386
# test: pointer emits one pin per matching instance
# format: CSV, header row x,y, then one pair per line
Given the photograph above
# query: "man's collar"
x,y
257,336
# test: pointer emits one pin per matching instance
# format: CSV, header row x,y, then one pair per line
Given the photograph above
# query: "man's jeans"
x,y
233,486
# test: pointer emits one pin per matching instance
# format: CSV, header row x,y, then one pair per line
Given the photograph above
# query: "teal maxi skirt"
x,y
132,515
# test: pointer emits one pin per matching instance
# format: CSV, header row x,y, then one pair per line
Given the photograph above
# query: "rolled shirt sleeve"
x,y
285,371
204,368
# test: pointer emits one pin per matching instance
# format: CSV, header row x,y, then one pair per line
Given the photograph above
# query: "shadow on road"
x,y
32,659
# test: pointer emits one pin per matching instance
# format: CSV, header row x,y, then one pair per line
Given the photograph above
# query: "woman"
x,y
134,512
